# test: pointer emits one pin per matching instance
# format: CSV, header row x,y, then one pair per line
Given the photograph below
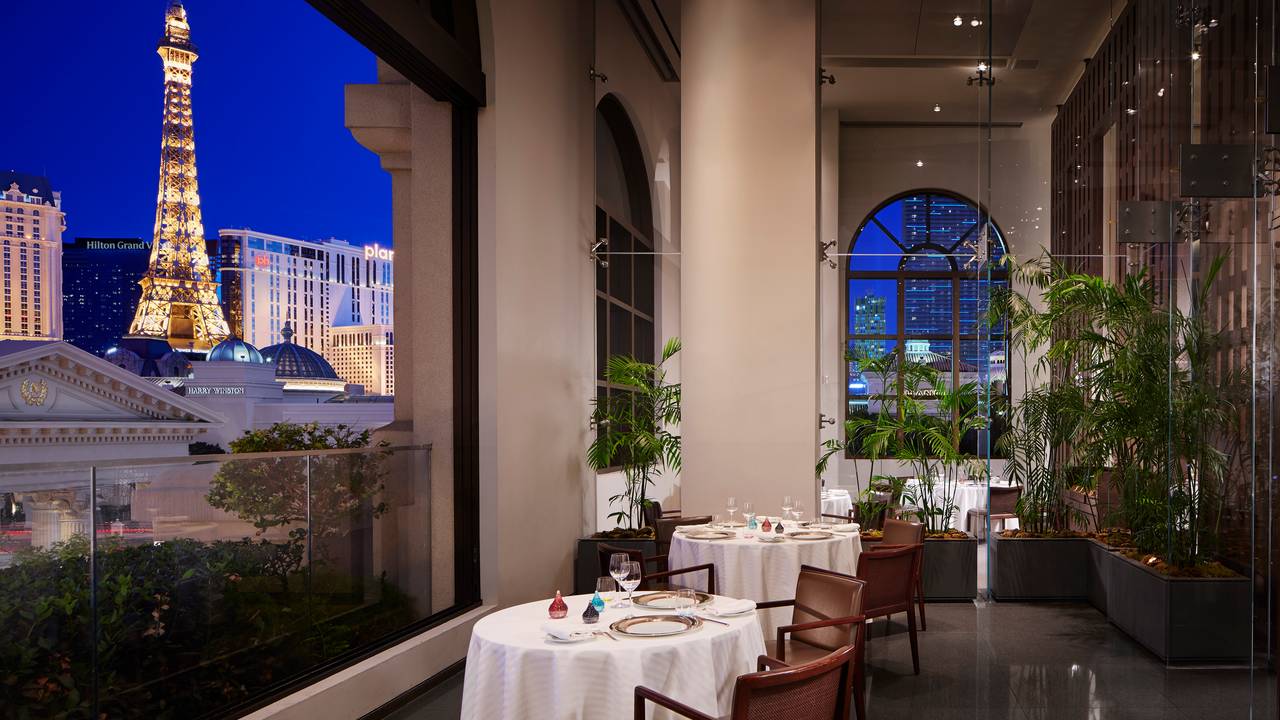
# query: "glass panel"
x,y
873,307
874,250
644,287
619,262
927,307
619,330
644,340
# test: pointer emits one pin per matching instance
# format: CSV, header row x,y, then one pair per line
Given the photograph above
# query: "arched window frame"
x,y
960,268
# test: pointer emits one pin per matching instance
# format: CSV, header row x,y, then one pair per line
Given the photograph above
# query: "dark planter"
x,y
586,563
1182,620
950,571
1038,568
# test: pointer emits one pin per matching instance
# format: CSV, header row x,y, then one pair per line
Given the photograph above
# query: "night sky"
x,y
83,95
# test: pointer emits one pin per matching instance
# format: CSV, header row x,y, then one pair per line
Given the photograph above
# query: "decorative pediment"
x,y
58,383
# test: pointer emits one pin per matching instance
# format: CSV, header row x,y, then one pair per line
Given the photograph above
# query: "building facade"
x,y
99,289
31,258
364,355
269,280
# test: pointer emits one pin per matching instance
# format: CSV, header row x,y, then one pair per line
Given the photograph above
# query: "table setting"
x,y
582,656
836,501
760,556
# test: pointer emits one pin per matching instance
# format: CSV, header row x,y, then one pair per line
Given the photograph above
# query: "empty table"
x,y
836,502
515,671
748,568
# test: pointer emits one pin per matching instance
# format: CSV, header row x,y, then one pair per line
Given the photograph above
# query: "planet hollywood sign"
x,y
377,252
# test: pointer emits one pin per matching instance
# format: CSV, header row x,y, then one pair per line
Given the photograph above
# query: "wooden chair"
x,y
818,690
826,614
652,512
1004,506
905,532
890,577
605,551
666,527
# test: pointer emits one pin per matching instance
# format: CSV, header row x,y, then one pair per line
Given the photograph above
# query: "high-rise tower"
x,y
179,302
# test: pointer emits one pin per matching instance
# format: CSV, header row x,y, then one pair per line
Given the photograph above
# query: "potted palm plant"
x,y
635,434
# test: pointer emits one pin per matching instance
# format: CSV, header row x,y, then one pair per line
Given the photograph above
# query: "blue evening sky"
x,y
84,91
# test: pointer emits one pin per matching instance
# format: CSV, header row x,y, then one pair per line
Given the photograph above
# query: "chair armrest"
x,y
711,574
775,604
848,518
855,620
764,662
643,693
881,546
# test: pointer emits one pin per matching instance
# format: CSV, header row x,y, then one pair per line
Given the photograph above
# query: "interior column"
x,y
749,129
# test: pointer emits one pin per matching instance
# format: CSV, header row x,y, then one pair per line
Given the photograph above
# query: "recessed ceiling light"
x,y
975,22
958,21
937,108
982,67
1160,92
919,163
1195,54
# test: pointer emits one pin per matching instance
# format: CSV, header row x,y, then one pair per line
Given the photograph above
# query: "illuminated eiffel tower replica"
x,y
179,302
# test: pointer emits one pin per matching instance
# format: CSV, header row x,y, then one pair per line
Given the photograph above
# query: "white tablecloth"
x,y
967,496
836,502
514,671
748,568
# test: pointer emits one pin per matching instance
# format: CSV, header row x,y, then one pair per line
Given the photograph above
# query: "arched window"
x,y
918,287
624,220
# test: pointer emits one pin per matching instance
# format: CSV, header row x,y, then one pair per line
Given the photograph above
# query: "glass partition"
x,y
212,581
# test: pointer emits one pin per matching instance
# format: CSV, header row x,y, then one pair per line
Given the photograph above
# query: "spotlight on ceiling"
x,y
1195,55
919,163
937,108
975,22
957,21
982,67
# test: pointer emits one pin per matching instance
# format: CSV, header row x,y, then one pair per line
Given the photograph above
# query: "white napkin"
x,y
726,606
847,527
564,631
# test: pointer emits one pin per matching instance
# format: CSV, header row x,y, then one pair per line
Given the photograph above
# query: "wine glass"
x,y
731,506
631,580
787,504
797,509
617,565
605,588
686,601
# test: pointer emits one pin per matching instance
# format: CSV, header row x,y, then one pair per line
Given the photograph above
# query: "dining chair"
x,y
906,532
818,690
826,614
890,577
605,551
653,511
1003,506
666,527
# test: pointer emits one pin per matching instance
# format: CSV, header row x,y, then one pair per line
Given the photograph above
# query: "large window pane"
x,y
927,307
873,307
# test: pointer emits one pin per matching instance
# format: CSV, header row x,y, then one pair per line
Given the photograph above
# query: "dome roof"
x,y
294,361
233,349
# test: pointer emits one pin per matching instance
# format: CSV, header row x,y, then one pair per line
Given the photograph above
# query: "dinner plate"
x,y
655,625
669,600
809,535
709,535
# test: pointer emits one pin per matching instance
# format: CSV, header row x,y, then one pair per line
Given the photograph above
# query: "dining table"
x,y
836,501
967,496
747,567
515,669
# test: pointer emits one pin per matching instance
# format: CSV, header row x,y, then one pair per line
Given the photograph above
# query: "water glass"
x,y
715,520
686,601
605,588
731,507
797,510
617,563
787,504
631,580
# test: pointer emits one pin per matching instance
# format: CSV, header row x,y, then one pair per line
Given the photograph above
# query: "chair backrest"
x,y
650,513
1004,500
823,595
818,690
903,532
604,551
889,574
667,526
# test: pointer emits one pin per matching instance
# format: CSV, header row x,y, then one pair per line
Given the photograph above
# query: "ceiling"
x,y
893,61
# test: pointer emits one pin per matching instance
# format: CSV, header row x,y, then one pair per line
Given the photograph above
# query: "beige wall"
x,y
876,163
749,216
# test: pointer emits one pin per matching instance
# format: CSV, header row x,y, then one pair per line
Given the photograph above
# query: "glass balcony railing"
x,y
188,587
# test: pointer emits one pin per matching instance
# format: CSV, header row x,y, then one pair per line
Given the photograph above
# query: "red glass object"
x,y
558,607
767,526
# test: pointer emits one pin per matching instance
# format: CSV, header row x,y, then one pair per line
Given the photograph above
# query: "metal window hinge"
x,y
824,253
594,74
593,254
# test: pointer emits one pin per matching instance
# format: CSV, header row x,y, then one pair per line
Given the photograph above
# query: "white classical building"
x,y
269,280
32,257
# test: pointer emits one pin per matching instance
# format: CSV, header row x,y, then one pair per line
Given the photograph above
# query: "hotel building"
x,y
100,289
364,355
31,257
268,280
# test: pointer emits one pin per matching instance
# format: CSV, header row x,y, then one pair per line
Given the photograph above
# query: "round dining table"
x,y
515,670
836,501
968,495
749,568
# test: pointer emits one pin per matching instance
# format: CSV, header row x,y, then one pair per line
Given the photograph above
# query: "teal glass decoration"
x,y
751,522
598,602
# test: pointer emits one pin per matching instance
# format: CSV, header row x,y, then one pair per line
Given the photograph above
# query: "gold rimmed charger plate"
x,y
810,535
669,600
650,626
709,535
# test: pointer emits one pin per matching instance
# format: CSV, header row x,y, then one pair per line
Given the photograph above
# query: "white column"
x,y
749,123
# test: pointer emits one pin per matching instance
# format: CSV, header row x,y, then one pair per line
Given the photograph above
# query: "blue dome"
x,y
233,349
294,361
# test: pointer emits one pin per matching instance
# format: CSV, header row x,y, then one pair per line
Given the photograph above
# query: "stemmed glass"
x,y
630,580
797,510
617,569
787,504
731,506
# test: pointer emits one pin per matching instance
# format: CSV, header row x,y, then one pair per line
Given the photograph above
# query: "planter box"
x,y
950,571
586,562
1038,568
1181,620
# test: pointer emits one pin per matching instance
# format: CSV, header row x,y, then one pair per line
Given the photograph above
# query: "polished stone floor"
x,y
1015,661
